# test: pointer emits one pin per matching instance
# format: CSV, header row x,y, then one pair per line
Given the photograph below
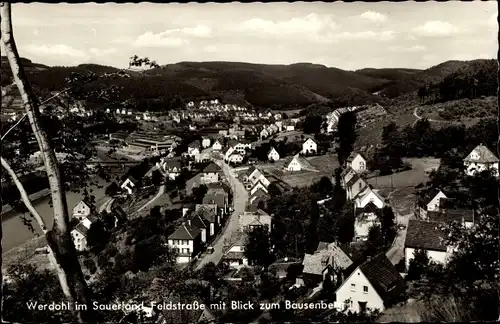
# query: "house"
x,y
250,220
209,212
205,142
79,233
235,158
375,284
186,241
429,202
242,147
369,195
357,162
424,235
297,163
217,198
202,157
172,168
309,147
273,155
211,173
288,125
201,223
217,145
81,211
130,184
364,219
254,174
346,176
328,259
257,196
465,217
235,256
194,148
259,185
227,152
355,186
480,159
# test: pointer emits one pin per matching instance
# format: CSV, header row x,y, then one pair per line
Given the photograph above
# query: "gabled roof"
x,y
250,170
382,274
232,143
427,198
450,215
304,163
207,214
485,155
215,198
82,229
218,186
353,180
312,264
198,221
212,168
424,235
369,208
259,193
185,232
195,144
171,164
309,139
367,191
353,155
346,171
271,150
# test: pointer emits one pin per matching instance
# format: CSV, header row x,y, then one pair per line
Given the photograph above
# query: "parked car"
x,y
401,226
210,250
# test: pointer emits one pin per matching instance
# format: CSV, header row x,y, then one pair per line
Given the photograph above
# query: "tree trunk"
x,y
58,238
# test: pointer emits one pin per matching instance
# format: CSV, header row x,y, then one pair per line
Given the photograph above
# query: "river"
x,y
16,233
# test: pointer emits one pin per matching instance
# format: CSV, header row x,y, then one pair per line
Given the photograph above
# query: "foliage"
x,y
112,189
258,246
312,124
346,129
199,193
417,265
323,187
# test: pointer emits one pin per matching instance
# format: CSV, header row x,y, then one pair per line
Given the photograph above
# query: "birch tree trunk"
x,y
58,238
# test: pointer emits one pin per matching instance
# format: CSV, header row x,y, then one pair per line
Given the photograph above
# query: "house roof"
x,y
232,143
367,191
212,168
353,155
215,198
353,180
272,150
198,221
173,164
259,193
194,144
450,215
369,208
309,139
346,171
218,186
185,232
233,255
304,163
312,264
424,235
427,198
382,274
485,155
82,229
207,214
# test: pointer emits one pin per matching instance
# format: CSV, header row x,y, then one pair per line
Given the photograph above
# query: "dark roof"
x,y
218,186
450,215
250,170
447,203
369,208
173,164
322,245
259,193
207,214
353,180
185,232
194,144
346,171
232,255
382,274
211,168
232,143
82,229
424,235
198,221
214,198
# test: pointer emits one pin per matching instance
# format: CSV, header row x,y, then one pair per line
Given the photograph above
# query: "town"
x,y
198,207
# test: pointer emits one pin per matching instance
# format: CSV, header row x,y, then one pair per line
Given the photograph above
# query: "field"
x,y
25,254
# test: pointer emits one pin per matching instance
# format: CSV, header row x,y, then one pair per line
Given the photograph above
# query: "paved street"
x,y
396,253
240,198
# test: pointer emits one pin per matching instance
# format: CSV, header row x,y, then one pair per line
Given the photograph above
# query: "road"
x,y
240,198
106,206
152,200
396,252
415,113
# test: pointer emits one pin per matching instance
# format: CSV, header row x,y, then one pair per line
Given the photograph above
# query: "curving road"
x,y
240,198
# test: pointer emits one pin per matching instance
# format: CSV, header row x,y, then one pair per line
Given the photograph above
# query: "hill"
x,y
279,87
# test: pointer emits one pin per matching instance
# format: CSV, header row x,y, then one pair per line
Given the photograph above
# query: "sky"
x,y
349,36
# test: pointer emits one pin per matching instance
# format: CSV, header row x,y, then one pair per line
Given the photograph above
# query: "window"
x,y
362,165
365,289
353,287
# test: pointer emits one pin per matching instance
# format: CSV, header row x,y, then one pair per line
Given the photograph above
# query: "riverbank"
x,y
25,254
33,197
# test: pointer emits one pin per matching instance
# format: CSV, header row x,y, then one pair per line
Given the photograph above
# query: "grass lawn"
x,y
25,254
409,178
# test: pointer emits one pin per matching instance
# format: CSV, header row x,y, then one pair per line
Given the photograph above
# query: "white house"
x,y
217,146
309,146
370,286
273,155
264,133
198,221
211,173
369,195
186,241
250,220
235,158
297,163
480,159
172,168
254,175
258,185
205,142
429,202
357,162
79,233
130,184
355,186
424,235
81,210
235,256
